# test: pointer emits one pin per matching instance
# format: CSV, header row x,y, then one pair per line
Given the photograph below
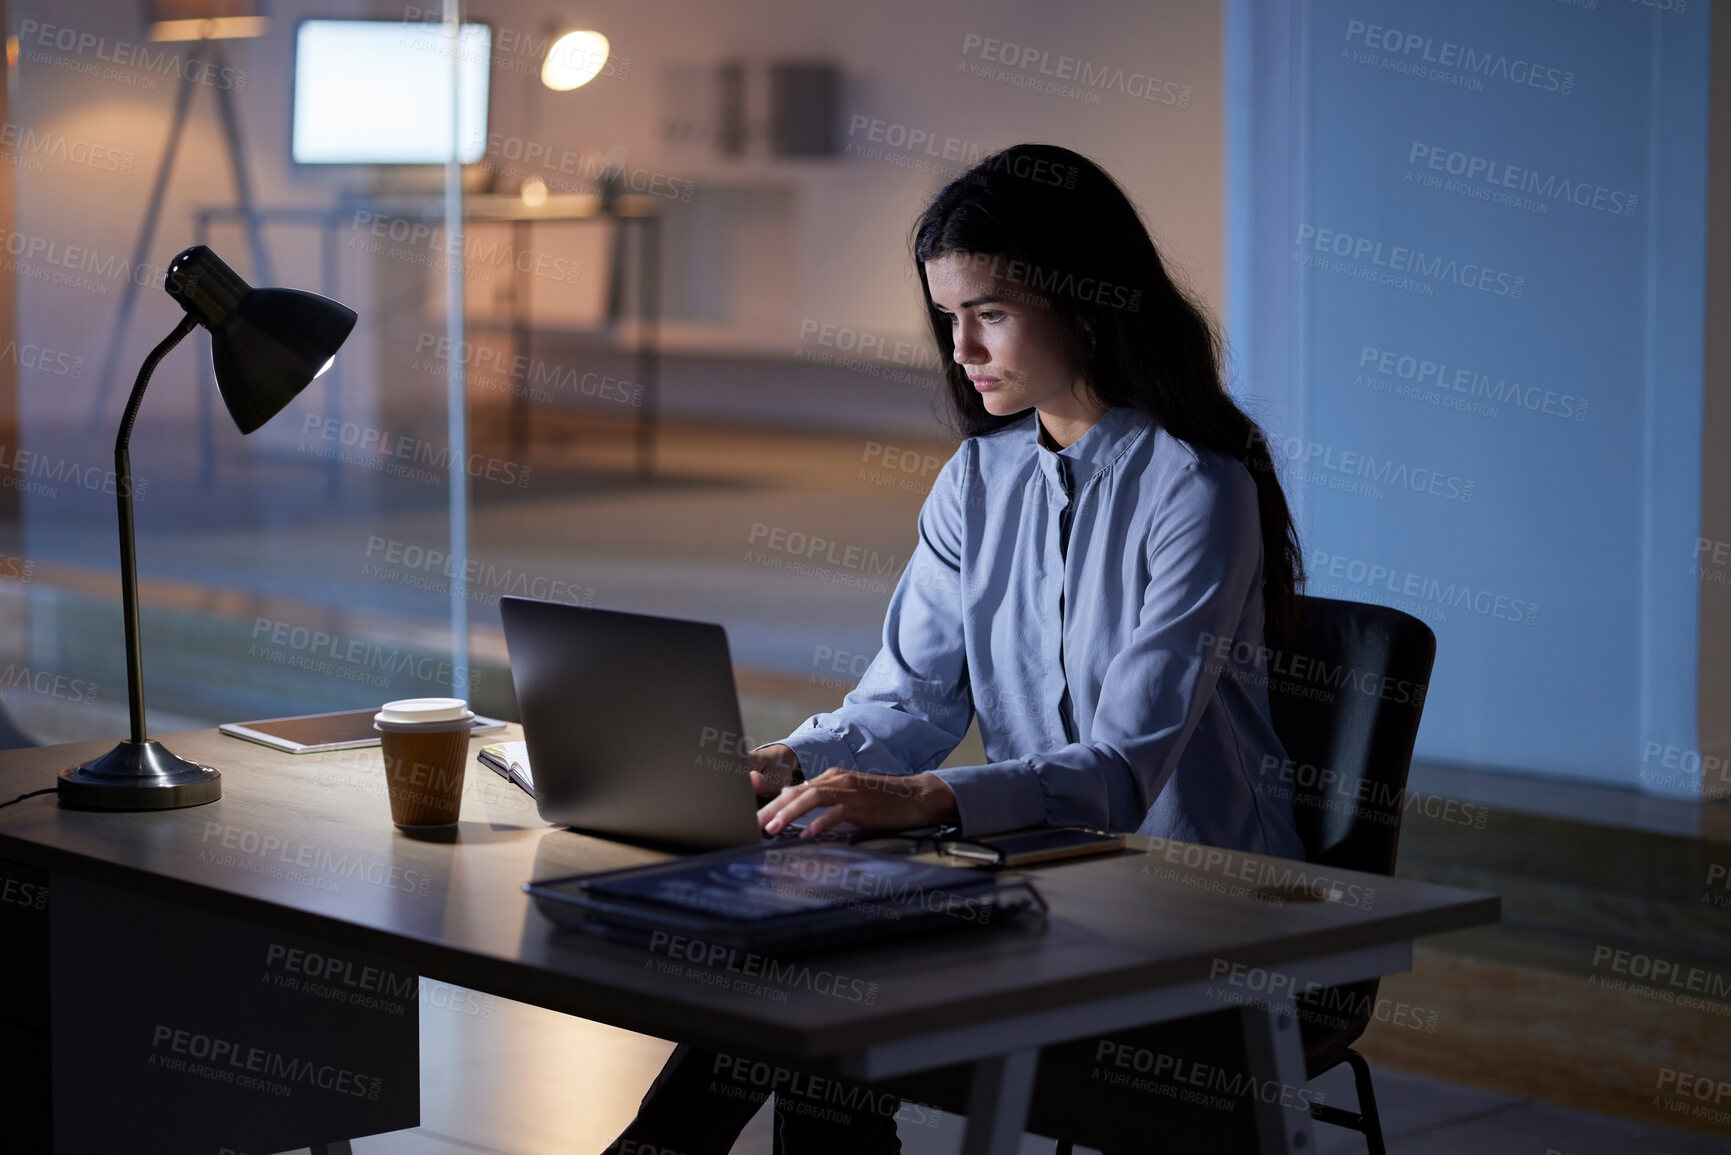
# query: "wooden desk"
x,y
304,844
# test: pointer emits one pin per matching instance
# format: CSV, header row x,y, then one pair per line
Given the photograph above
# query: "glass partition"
x,y
272,571
669,285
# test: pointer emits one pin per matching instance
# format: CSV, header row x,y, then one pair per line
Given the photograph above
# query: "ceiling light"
x,y
574,60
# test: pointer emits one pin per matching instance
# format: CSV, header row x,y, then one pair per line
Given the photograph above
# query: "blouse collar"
x,y
1095,449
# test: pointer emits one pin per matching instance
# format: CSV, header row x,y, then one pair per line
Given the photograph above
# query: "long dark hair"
x,y
1052,220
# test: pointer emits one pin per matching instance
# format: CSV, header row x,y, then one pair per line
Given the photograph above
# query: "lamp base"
x,y
139,776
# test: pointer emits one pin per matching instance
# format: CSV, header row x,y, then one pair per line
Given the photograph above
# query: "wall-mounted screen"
x,y
379,92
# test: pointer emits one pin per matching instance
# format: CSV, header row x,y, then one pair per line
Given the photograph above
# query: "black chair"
x,y
1351,704
1345,694
1376,663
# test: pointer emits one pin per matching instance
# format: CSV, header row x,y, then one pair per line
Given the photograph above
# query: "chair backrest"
x,y
1345,695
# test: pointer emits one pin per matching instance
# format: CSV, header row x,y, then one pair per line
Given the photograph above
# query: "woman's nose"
x,y
968,350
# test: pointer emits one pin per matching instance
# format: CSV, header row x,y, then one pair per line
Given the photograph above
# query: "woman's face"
x,y
1010,343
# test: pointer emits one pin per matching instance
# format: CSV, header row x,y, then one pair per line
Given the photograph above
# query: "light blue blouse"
x,y
1084,603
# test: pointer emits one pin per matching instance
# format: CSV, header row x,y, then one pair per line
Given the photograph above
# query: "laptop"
x,y
632,724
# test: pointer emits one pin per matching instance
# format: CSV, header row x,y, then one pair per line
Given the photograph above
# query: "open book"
x,y
510,760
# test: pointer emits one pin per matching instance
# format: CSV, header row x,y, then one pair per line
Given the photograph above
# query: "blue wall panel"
x,y
1493,214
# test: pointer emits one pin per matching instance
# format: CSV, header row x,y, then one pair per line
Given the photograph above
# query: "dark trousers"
x,y
702,1100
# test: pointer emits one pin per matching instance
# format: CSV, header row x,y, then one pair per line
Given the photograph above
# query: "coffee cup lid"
x,y
413,711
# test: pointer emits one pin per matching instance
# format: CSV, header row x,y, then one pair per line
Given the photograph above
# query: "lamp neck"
x,y
123,500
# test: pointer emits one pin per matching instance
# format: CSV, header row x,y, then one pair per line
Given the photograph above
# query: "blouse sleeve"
x,y
913,705
1205,563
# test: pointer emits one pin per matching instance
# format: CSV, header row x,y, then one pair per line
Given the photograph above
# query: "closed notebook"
x,y
509,760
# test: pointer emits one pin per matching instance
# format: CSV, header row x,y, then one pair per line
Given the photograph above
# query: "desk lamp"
x,y
267,345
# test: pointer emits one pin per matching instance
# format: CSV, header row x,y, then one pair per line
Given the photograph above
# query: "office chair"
x,y
1376,663
1365,733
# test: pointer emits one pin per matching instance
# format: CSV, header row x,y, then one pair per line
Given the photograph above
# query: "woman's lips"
x,y
986,384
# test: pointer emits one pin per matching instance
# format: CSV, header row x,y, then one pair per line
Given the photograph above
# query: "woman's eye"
x,y
990,315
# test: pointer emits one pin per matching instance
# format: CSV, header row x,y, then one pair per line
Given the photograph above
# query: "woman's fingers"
x,y
871,801
835,788
838,812
790,803
794,801
848,799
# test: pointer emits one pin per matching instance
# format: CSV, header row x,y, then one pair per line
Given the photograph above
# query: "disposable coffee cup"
x,y
426,745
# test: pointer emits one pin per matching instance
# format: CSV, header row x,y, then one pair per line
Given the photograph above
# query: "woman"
x,y
1111,517
1110,529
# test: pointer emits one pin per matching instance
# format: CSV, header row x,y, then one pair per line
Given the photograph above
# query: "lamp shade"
x,y
267,344
205,19
201,9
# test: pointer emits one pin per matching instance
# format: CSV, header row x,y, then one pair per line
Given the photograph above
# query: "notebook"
x,y
510,760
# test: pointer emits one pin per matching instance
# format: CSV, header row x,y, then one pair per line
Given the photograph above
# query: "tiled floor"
x,y
511,1079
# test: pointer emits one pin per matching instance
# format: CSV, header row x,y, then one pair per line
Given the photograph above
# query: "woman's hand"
x,y
870,801
772,769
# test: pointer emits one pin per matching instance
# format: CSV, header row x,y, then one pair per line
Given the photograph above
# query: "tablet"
x,y
311,733
781,898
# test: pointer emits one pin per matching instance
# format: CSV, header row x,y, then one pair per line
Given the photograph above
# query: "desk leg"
x,y
998,1103
1276,1058
340,1147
